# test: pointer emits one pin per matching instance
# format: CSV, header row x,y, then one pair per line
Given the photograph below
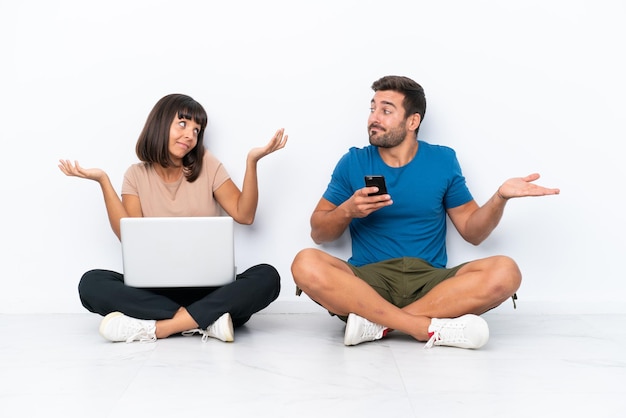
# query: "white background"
x,y
514,87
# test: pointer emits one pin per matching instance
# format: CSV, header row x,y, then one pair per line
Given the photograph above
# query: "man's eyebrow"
x,y
384,102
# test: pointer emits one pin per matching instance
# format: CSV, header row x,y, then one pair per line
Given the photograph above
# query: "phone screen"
x,y
378,181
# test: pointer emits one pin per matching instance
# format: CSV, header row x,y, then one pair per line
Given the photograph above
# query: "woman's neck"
x,y
168,174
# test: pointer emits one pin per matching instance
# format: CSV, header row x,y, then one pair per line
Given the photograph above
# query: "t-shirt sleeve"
x,y
458,193
129,185
339,189
215,170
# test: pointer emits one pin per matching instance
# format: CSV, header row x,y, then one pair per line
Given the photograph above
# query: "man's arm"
x,y
476,223
328,221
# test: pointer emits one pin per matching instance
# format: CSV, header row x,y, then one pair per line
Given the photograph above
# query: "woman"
x,y
177,177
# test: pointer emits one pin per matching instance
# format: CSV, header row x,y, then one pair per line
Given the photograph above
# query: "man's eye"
x,y
371,110
387,112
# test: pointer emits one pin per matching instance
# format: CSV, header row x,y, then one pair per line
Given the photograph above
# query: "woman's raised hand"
x,y
278,141
75,170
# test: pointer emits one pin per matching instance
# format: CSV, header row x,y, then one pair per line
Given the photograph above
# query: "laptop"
x,y
178,251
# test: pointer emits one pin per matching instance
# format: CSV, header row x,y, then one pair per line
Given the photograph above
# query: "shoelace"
x,y
371,330
448,332
432,339
205,334
142,335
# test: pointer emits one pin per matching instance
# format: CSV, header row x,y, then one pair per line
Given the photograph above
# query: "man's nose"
x,y
373,117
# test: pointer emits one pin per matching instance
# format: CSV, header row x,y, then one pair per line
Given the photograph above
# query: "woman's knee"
x,y
267,275
93,285
88,283
265,270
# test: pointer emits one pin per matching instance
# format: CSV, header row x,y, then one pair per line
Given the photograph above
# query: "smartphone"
x,y
378,181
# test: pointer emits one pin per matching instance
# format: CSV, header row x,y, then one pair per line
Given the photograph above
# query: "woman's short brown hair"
x,y
153,143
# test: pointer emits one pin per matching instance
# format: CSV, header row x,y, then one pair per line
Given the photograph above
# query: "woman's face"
x,y
183,137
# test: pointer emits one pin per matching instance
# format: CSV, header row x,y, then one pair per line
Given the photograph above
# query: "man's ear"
x,y
413,122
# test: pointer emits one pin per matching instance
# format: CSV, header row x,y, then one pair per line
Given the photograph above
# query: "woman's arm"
x,y
241,204
115,208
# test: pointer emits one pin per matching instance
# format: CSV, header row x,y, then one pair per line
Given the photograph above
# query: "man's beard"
x,y
388,139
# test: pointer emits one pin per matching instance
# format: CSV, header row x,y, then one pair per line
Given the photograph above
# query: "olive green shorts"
x,y
402,281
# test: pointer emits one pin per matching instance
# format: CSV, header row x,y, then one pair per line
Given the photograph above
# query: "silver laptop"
x,y
178,251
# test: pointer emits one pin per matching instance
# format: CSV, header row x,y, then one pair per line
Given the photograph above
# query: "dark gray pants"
x,y
104,291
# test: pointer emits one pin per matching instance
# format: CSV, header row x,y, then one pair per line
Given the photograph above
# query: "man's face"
x,y
386,125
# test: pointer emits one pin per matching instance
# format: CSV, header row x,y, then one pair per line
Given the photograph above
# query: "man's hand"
x,y
360,204
523,186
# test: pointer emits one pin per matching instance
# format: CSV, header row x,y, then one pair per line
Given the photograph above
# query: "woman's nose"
x,y
190,133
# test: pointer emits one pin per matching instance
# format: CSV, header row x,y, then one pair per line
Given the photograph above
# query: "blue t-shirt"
x,y
415,224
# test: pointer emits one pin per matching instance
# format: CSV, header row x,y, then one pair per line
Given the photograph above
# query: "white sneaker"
x,y
118,327
360,330
222,329
467,331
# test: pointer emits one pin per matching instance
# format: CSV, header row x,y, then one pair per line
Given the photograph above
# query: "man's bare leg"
x,y
332,284
477,287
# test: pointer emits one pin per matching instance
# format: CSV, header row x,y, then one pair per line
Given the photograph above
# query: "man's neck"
x,y
400,155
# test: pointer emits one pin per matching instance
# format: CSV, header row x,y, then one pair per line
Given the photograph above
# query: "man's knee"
x,y
303,264
506,276
309,268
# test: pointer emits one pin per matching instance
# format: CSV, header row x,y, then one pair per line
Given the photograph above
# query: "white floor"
x,y
295,365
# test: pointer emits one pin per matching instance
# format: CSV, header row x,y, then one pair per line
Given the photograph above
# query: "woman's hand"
x,y
75,170
278,141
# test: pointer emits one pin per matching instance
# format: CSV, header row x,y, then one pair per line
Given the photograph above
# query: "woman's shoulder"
x,y
208,156
210,162
139,168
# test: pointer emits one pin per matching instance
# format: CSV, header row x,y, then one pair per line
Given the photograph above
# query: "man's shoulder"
x,y
361,150
436,152
435,147
360,153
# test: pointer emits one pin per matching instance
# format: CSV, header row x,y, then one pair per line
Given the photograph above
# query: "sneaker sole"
x,y
348,336
105,322
485,333
229,333
229,336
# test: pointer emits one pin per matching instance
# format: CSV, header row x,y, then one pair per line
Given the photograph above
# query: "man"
x,y
397,277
